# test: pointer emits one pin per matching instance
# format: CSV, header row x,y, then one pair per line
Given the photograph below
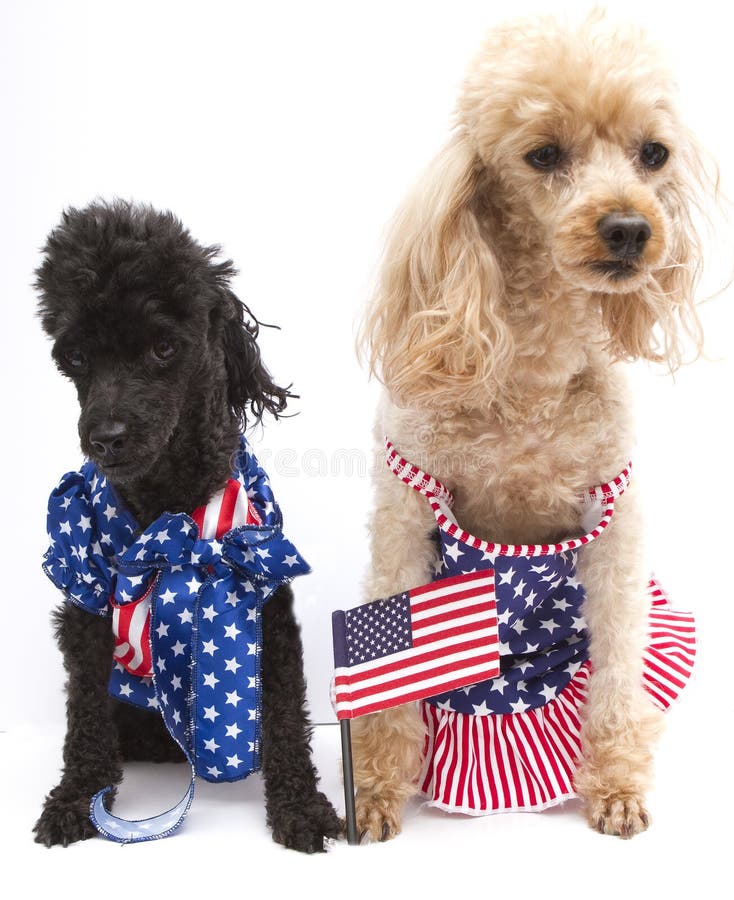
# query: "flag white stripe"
x,y
561,723
457,608
526,783
241,509
116,625
476,585
504,755
121,649
449,755
517,741
211,516
458,755
548,785
438,628
480,784
669,661
135,631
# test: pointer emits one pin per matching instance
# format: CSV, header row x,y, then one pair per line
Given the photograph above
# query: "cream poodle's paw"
x,y
624,815
378,817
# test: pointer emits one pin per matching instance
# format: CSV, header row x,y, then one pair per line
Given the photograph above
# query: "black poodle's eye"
x,y
654,155
163,350
545,158
74,360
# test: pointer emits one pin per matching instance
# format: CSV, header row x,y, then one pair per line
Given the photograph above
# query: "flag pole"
x,y
350,813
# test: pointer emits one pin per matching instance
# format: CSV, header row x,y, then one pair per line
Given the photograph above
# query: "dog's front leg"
x,y
91,752
388,746
620,724
299,814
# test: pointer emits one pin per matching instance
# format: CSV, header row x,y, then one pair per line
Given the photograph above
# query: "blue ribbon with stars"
x,y
206,598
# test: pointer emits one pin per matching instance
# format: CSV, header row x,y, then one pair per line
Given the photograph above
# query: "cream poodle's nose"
x,y
625,235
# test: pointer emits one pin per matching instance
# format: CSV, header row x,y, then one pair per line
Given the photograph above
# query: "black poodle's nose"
x,y
108,440
625,235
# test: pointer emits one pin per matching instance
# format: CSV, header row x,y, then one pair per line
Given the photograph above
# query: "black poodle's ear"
x,y
250,385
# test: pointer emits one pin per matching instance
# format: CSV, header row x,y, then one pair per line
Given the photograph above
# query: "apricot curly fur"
x,y
498,328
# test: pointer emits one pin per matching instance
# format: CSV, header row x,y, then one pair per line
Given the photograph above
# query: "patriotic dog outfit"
x,y
185,595
510,742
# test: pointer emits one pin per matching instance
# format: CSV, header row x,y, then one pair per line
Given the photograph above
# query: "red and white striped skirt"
x,y
479,765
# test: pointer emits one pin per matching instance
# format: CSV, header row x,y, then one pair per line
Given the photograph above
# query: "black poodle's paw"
x,y
64,821
307,825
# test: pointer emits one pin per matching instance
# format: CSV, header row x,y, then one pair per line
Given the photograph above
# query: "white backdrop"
x,y
288,132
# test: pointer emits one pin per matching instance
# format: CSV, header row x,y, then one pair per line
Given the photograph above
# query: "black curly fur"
x,y
146,325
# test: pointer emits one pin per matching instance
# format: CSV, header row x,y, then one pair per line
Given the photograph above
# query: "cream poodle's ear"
x,y
434,331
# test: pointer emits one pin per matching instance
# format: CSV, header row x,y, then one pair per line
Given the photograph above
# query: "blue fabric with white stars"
x,y
543,639
205,607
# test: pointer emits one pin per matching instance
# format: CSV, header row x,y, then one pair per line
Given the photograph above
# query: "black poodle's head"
x,y
145,324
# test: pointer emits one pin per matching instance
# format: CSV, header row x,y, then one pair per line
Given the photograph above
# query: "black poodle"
x,y
167,369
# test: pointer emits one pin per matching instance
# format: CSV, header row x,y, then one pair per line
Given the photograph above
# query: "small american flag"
x,y
413,645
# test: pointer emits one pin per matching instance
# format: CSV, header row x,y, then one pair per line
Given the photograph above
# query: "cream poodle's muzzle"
x,y
613,236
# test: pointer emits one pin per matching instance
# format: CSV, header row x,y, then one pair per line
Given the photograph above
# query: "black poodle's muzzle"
x,y
108,443
123,425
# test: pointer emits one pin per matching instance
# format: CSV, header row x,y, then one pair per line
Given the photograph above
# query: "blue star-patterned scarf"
x,y
186,595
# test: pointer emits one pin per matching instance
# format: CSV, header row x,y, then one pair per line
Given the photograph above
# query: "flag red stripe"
x,y
526,786
408,697
664,676
453,614
552,755
447,633
676,629
668,662
461,781
503,773
490,660
198,516
446,755
127,657
478,754
451,582
479,593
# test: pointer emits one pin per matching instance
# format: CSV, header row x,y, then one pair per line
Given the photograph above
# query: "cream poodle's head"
x,y
569,177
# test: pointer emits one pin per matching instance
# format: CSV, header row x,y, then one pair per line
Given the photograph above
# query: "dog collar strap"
x,y
416,478
597,502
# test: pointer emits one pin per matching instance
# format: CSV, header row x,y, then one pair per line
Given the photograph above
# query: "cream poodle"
x,y
548,242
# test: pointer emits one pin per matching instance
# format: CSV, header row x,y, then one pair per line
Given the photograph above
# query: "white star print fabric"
x,y
186,596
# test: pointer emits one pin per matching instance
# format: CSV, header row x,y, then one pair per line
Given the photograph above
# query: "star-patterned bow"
x,y
259,552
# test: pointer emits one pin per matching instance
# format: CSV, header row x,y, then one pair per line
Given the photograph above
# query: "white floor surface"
x,y
224,849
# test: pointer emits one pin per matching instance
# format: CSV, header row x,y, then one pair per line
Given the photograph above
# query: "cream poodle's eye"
x,y
545,158
654,155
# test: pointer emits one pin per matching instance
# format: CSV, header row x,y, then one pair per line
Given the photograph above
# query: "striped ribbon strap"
x,y
416,478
